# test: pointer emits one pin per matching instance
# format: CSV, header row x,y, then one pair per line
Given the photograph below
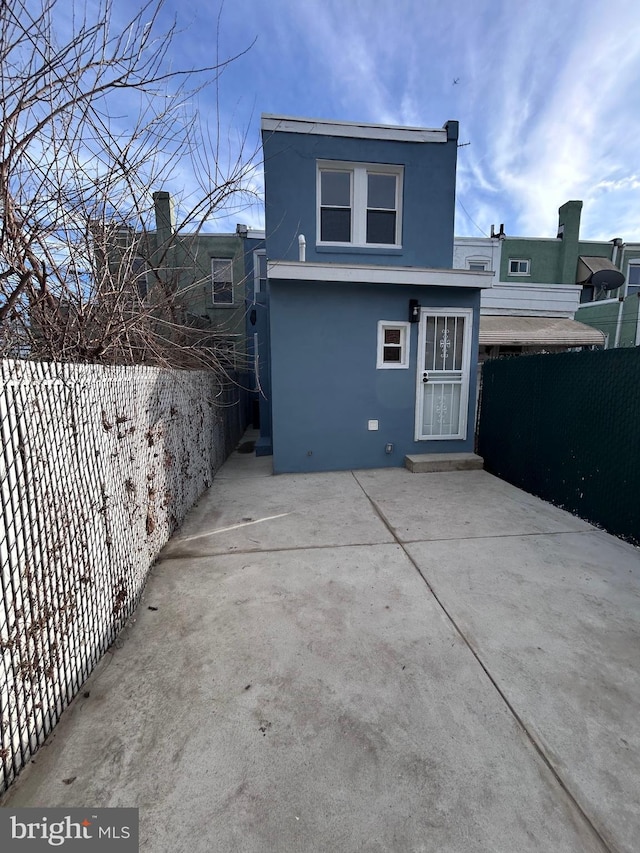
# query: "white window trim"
x,y
359,172
214,301
405,345
526,261
632,262
258,253
479,259
232,340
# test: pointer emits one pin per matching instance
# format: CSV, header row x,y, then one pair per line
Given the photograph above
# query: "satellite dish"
x,y
599,272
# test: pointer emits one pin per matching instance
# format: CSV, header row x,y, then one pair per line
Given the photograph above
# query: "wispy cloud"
x,y
546,93
562,123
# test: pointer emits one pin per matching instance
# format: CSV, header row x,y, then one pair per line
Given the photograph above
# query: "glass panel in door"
x,y
443,374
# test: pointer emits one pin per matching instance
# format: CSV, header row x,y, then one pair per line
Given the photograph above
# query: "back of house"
x,y
373,335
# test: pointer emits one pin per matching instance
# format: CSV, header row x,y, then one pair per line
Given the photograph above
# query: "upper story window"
x,y
359,204
222,281
478,264
139,276
518,266
633,277
259,271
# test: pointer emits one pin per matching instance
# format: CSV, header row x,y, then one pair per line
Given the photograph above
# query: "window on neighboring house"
x,y
224,347
519,267
393,345
587,294
633,277
139,276
478,264
359,204
222,281
259,271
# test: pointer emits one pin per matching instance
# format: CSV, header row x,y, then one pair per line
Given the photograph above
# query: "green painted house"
x,y
616,312
200,290
207,273
537,288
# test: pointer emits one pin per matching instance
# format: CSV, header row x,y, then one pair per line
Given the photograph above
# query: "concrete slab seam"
x,y
182,556
501,536
532,740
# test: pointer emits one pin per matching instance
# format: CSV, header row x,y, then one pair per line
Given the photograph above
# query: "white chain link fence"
x,y
99,465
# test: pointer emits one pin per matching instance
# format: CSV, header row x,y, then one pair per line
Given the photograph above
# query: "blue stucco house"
x,y
373,337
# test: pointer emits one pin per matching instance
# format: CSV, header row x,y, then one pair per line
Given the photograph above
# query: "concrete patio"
x,y
367,661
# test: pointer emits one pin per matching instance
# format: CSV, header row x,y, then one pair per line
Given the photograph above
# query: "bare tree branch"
x,y
94,120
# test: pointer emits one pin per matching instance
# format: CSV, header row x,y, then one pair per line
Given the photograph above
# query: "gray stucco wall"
x,y
325,386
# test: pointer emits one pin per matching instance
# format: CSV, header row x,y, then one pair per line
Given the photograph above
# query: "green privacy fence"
x,y
566,427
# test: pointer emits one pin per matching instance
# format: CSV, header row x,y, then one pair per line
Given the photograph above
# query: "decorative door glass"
x,y
443,375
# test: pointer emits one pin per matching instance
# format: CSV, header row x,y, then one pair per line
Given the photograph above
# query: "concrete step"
x,y
429,463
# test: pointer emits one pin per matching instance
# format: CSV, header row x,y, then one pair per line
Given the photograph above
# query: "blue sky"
x,y
547,92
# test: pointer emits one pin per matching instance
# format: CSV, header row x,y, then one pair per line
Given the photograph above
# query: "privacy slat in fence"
x,y
98,467
566,428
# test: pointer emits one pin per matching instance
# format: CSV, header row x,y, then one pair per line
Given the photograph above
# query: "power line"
x,y
484,233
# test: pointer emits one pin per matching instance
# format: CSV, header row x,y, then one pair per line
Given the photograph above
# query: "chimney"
x,y
569,233
165,220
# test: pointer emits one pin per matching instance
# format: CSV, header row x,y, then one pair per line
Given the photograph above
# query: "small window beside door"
x,y
393,345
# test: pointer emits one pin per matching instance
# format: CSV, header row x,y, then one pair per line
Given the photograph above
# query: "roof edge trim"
x,y
357,130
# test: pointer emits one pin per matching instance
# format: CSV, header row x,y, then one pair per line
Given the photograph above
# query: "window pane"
x,y
225,353
336,188
222,275
634,274
392,336
392,354
441,409
221,268
477,266
382,191
262,266
381,226
222,292
586,294
335,225
458,340
139,275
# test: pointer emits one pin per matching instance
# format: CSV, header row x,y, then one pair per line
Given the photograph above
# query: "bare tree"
x,y
94,118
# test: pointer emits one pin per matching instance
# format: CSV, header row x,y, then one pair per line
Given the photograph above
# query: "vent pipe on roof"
x,y
302,248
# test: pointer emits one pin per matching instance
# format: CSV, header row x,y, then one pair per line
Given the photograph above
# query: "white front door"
x,y
444,356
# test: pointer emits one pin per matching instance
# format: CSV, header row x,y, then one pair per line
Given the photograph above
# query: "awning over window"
x,y
537,331
600,272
